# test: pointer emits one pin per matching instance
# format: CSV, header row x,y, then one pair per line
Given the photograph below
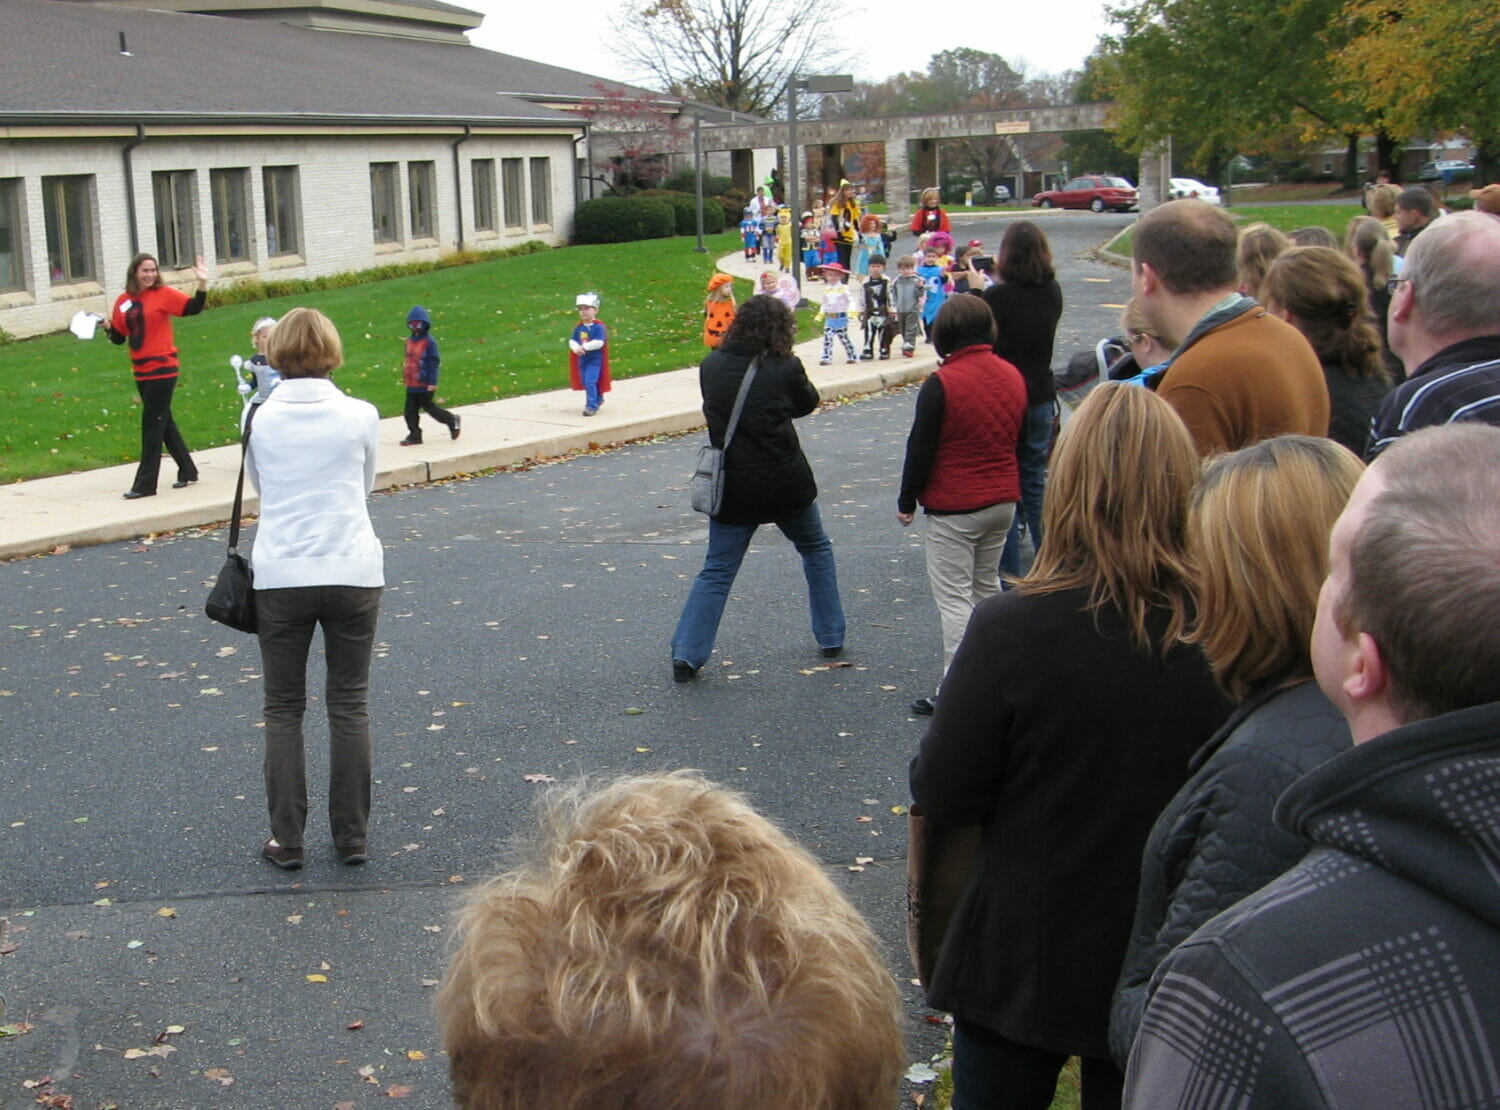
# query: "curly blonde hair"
x,y
663,945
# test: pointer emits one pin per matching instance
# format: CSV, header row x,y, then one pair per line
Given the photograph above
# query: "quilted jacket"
x,y
1215,842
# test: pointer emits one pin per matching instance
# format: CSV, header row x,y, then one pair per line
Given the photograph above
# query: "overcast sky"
x,y
888,36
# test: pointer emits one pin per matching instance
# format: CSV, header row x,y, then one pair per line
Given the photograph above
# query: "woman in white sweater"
x,y
317,561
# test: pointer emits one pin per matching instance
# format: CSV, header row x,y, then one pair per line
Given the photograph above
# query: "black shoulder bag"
x,y
232,600
706,488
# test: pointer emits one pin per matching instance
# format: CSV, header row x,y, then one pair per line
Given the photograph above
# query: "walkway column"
x,y
897,182
1154,186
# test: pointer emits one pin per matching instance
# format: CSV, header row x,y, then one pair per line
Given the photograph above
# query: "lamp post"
x,y
837,83
700,113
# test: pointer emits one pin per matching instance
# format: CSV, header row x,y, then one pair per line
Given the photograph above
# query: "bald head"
x,y
1453,271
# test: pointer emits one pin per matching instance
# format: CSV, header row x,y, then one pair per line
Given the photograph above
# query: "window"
x,y
283,212
513,189
421,190
68,211
483,170
541,190
11,270
231,205
385,200
176,229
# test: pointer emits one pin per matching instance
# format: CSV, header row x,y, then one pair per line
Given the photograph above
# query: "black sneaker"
x,y
412,441
683,671
924,707
833,652
453,428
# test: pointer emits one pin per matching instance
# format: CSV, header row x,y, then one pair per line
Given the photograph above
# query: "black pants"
x,y
418,401
158,429
992,1073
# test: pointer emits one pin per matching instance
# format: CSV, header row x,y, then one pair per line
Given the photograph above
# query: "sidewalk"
x,y
39,516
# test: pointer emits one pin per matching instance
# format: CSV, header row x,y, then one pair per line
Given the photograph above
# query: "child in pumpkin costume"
x,y
718,309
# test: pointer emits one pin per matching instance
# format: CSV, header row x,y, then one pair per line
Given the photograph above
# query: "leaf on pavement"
x,y
538,778
316,978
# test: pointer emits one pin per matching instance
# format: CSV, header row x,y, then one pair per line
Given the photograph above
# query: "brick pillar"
x,y
1156,168
897,182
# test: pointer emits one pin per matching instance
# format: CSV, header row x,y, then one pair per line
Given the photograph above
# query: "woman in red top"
x,y
142,317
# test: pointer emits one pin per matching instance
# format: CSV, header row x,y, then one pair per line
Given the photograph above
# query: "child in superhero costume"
x,y
588,357
419,370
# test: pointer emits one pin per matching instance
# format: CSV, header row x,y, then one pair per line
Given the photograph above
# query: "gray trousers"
x,y
287,618
963,565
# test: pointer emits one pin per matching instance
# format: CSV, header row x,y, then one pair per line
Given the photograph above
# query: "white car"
x,y
1187,187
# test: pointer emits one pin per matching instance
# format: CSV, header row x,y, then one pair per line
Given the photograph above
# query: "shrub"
x,y
733,209
685,181
622,220
685,212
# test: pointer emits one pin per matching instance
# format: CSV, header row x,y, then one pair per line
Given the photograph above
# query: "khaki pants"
x,y
963,565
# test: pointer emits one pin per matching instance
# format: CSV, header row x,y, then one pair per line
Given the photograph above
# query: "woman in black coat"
x,y
1258,528
1066,723
767,479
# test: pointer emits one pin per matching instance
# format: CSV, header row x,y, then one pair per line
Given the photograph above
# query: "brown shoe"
x,y
356,853
288,859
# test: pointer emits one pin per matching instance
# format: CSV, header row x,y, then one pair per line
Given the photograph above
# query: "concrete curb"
x,y
75,510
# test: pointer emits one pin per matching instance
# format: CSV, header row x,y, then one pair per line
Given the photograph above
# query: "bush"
x,y
686,181
623,220
248,292
685,212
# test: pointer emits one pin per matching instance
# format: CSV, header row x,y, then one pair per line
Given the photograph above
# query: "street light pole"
x,y
837,83
698,177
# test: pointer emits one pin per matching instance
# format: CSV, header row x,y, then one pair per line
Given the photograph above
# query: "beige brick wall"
x,y
334,202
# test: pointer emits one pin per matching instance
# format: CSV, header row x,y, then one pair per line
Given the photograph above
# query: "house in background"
x,y
278,138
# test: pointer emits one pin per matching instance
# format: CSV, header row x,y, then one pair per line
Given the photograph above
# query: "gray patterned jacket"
x,y
1369,974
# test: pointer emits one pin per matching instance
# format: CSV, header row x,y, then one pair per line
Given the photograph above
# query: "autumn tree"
x,y
735,54
1429,66
633,135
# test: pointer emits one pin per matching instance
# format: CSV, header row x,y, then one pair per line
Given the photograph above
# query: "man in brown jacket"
x,y
1240,375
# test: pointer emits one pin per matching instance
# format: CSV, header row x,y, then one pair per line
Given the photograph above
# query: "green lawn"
x,y
502,327
1286,217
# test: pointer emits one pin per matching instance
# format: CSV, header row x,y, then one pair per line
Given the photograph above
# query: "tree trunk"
x,y
1351,161
1387,156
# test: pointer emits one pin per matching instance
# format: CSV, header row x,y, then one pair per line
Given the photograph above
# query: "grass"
x,y
502,326
1335,217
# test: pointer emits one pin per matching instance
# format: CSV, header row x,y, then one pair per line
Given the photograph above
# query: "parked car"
x,y
1093,192
1002,194
1447,170
1190,187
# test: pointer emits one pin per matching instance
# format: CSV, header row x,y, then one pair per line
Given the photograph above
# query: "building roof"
x,y
62,62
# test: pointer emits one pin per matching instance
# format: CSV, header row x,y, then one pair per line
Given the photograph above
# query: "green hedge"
x,y
248,292
623,220
685,211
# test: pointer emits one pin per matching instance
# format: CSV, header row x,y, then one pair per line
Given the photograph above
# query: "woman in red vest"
x,y
142,317
961,466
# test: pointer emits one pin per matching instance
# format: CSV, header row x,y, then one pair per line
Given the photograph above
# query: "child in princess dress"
x,y
868,245
783,288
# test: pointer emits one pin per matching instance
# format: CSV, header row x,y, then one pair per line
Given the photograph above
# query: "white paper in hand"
x,y
84,324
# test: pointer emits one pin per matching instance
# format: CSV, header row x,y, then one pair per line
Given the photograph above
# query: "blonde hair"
x,y
1381,202
1366,242
1133,319
305,344
932,192
1259,525
1259,246
1115,512
664,945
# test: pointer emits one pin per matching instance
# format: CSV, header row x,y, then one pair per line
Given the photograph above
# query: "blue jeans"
x,y
590,370
992,1073
1032,447
693,641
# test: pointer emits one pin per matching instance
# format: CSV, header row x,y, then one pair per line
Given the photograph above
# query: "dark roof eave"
x,y
130,119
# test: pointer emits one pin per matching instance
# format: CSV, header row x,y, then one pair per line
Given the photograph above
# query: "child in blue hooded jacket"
x,y
420,372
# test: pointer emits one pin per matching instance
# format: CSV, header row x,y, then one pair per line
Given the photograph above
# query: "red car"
x,y
1093,192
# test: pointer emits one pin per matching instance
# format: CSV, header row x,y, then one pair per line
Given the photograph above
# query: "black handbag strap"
x,y
739,402
239,485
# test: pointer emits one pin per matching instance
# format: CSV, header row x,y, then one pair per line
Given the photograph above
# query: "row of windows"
x,y
68,213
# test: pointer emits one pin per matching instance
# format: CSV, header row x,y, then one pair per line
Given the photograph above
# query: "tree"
x,y
734,54
633,136
1428,66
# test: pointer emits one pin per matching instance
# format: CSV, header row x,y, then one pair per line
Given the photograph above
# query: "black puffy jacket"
x,y
1215,842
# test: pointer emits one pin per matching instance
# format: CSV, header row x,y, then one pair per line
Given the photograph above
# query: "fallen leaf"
x,y
864,818
220,1076
356,1024
166,911
632,711
538,778
396,1090
898,810
155,1050
432,928
134,943
226,652
294,919
316,978
173,1030
864,859
643,750
920,1073
415,1054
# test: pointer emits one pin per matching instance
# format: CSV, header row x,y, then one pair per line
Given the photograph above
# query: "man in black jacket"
x,y
1365,976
